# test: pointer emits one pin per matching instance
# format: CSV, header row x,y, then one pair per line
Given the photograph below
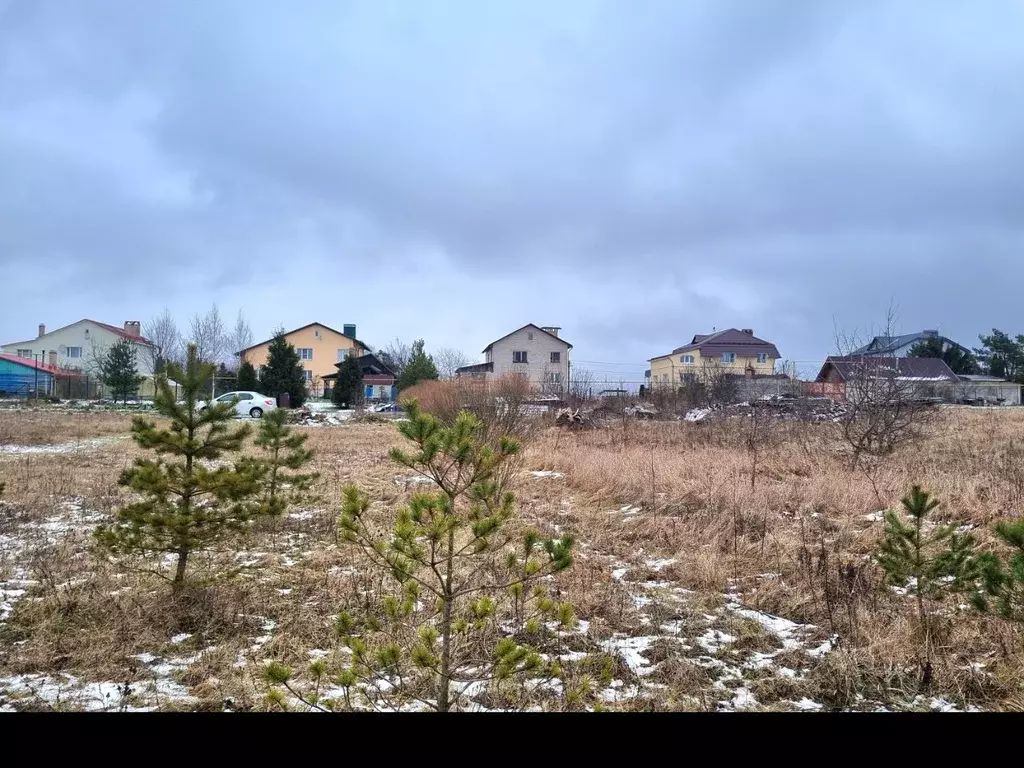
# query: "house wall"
x,y
538,355
667,371
324,342
93,340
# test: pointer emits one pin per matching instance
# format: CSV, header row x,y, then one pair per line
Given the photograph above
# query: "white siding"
x,y
538,367
90,338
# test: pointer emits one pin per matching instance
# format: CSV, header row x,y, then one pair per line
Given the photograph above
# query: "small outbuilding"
x,y
988,390
25,377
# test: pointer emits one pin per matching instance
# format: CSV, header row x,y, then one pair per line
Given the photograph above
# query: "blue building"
x,y
24,377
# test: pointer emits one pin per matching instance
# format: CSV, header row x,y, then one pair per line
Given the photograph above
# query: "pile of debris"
x,y
641,411
573,418
308,418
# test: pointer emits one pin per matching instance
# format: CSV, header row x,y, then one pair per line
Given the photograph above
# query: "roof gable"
x,y
728,340
302,328
881,345
105,326
528,325
877,366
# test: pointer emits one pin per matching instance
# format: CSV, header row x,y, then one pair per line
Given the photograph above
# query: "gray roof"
x,y
476,368
729,340
536,328
881,345
984,378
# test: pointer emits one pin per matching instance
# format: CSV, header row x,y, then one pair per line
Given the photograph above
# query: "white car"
x,y
249,403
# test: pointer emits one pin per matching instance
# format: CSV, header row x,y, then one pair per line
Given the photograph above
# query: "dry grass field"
x,y
707,588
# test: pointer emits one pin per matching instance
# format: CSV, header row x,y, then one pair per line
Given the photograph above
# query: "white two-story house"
x,y
534,352
78,346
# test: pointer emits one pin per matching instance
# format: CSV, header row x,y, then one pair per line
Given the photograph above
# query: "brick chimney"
x,y
53,358
42,329
552,329
748,331
134,327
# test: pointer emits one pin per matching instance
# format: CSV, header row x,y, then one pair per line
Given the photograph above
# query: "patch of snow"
x,y
827,647
714,639
657,565
619,573
787,631
697,414
302,514
632,649
742,698
546,473
181,638
875,517
807,705
412,480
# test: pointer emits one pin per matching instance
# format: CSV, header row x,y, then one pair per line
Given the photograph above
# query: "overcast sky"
x,y
635,172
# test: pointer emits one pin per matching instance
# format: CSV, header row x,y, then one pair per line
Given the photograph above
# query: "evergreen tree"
x,y
283,371
348,387
247,379
1003,580
420,368
185,505
929,564
469,592
960,361
1002,356
285,453
119,372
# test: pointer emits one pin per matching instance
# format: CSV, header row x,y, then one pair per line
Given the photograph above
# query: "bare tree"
x,y
581,383
396,355
448,359
885,407
207,332
163,332
241,338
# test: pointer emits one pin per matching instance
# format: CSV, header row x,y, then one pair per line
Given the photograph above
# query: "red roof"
x,y
28,362
123,332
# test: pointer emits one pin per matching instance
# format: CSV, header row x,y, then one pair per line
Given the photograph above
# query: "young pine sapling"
x,y
185,505
469,591
929,562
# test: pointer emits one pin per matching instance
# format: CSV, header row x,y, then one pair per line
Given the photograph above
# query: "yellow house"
x,y
732,351
319,347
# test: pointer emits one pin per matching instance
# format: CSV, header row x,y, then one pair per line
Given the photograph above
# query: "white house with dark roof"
x,y
535,352
79,345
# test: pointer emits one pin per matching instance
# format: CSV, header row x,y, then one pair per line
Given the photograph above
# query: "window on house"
x,y
664,377
556,357
316,334
341,354
686,359
308,374
74,351
529,335
306,353
728,357
762,357
554,377
24,353
519,357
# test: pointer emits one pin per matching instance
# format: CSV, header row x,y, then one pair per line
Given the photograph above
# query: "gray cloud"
x,y
635,174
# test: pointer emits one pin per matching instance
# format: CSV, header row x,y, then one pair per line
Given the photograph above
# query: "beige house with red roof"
x,y
79,345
